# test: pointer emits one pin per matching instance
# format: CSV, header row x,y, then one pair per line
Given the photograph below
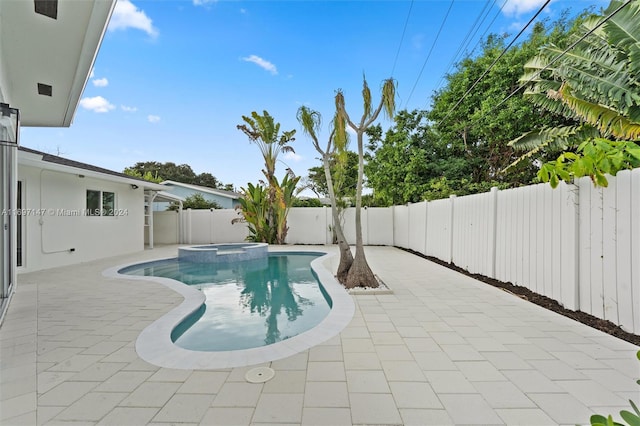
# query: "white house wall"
x,y
51,237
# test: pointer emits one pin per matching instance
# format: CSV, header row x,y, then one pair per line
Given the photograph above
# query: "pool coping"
x,y
154,343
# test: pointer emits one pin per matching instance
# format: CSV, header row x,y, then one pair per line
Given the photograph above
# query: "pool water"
x,y
248,303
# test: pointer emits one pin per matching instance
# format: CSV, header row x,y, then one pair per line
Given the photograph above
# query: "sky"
x,y
173,78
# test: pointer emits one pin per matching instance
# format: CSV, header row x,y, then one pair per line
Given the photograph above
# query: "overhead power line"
x,y
404,30
488,27
435,40
465,42
561,54
497,59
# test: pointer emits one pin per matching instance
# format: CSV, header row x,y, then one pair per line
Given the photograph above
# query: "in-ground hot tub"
x,y
216,253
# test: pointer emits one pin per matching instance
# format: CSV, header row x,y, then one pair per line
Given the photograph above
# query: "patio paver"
x,y
442,349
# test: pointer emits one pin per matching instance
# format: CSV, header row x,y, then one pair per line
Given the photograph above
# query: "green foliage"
x,y
265,208
632,419
284,196
596,87
148,176
594,158
400,165
254,206
195,201
345,176
307,202
370,200
475,134
157,172
265,132
411,164
443,188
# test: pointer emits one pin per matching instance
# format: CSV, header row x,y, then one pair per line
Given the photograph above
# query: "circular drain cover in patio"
x,y
259,375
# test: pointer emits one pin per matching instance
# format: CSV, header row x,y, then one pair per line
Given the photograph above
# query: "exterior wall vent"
x,y
47,8
45,89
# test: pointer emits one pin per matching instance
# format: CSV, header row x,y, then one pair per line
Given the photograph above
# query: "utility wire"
x,y
480,25
488,27
496,60
465,42
435,40
560,55
404,30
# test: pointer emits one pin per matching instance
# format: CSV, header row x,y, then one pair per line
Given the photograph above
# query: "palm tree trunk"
x,y
360,274
346,259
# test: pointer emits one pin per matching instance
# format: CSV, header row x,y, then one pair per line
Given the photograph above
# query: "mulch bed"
x,y
544,301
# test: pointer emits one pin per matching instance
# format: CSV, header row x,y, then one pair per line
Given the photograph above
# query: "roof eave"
x,y
96,30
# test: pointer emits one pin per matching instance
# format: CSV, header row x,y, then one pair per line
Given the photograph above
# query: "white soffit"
x,y
58,52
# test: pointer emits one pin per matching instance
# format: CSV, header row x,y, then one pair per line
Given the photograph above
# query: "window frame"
x,y
104,205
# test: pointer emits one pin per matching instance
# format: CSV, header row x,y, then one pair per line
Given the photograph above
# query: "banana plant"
x,y
254,210
284,195
595,85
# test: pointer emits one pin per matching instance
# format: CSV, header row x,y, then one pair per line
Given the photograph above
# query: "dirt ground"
x,y
544,301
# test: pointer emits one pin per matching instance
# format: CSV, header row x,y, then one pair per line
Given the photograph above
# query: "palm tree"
x,y
311,121
265,132
595,83
360,274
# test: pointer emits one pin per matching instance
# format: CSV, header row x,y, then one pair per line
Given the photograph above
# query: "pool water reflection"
x,y
249,303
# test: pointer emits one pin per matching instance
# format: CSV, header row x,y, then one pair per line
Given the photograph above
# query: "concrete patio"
x,y
443,349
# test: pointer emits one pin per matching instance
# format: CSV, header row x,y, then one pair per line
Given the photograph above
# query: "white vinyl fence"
x,y
577,244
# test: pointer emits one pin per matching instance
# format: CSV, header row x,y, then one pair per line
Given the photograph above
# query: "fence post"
x,y
408,225
212,236
493,232
426,226
365,219
570,254
452,199
393,225
189,226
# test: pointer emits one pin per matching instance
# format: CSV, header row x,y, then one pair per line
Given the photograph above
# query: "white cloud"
x,y
262,63
96,104
516,26
417,41
292,156
243,10
127,15
100,82
126,108
518,7
153,118
91,75
203,2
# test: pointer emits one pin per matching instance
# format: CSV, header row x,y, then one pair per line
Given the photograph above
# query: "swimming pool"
x,y
248,303
155,346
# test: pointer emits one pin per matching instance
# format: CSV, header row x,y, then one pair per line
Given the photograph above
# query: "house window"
x,y
100,203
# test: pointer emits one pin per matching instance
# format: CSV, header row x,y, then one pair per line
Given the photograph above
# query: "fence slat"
x,y
569,248
635,247
597,296
540,248
609,270
556,247
584,235
623,250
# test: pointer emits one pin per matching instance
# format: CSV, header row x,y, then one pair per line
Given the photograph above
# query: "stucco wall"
x,y
50,234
